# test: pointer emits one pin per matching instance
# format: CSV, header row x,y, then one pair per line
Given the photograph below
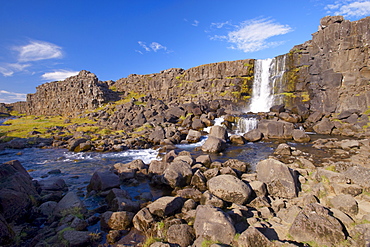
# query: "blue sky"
x,y
48,40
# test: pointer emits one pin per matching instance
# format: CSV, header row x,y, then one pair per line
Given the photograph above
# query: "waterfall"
x,y
268,74
244,125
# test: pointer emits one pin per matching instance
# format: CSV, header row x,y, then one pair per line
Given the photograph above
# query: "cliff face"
x,y
334,67
224,80
330,73
72,96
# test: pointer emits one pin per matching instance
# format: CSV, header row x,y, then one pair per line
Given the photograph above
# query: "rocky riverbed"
x,y
295,197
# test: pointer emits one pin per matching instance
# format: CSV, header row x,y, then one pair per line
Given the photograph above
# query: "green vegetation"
x,y
75,211
208,242
331,168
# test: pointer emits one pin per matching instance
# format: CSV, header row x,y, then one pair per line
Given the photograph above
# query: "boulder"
x,y
359,175
6,232
204,160
214,145
229,188
253,238
237,165
314,223
253,135
70,204
157,167
77,238
300,136
143,220
277,108
75,143
283,149
103,180
345,203
278,178
181,234
325,126
276,129
210,199
197,124
219,132
237,139
116,220
177,174
199,181
193,136
157,136
166,206
212,223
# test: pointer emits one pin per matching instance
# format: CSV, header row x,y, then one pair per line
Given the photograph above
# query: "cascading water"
x,y
268,81
262,97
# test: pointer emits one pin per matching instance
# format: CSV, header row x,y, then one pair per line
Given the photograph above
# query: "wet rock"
x,y
214,145
214,224
103,180
315,223
276,129
177,174
229,188
193,136
219,132
236,139
182,234
278,178
253,135
277,108
75,143
166,206
300,136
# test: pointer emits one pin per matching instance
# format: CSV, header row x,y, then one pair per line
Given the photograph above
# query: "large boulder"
x,y
177,174
212,223
314,223
166,206
181,234
16,191
70,204
324,127
300,136
229,188
278,178
253,238
214,145
276,129
219,132
253,135
143,220
102,181
193,136
116,220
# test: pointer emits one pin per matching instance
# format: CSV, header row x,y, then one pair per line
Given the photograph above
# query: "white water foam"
x,y
217,122
262,97
244,125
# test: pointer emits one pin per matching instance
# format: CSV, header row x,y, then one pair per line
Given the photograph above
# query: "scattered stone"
x,y
229,188
182,234
214,145
166,206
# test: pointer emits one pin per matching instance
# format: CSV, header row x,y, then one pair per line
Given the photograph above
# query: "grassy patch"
x,y
208,242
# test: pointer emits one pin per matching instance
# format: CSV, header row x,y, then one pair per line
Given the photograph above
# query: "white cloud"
x,y
253,35
59,75
10,97
38,50
9,69
221,24
154,46
195,23
347,8
142,44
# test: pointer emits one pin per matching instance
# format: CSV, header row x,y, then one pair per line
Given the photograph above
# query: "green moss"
x,y
75,211
331,168
208,242
223,94
113,88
